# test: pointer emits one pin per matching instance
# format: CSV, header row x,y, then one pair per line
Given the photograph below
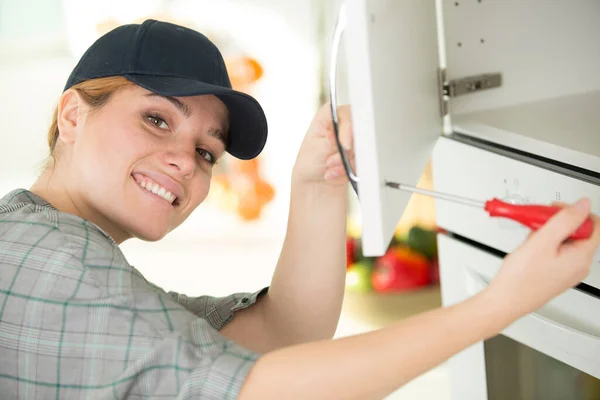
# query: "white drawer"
x,y
566,328
469,171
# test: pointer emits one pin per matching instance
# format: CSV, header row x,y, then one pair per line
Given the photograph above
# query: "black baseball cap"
x,y
172,60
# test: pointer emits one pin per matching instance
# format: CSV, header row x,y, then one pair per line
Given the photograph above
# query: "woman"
x,y
144,116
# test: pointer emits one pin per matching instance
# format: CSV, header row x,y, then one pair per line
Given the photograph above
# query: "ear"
x,y
69,116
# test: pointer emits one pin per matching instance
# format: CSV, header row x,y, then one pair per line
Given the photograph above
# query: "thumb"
x,y
565,222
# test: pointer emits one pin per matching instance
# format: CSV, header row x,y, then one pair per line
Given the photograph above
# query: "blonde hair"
x,y
95,92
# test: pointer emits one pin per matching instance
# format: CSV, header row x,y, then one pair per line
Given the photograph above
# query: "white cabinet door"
x,y
392,58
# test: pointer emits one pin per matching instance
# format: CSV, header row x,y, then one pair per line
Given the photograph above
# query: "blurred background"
x,y
277,51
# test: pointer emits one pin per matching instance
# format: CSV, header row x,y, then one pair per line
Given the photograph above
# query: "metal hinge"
x,y
462,86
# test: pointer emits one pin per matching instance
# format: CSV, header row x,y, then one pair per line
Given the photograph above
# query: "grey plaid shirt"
x,y
77,321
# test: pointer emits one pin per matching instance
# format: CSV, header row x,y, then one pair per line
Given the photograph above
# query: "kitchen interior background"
x,y
279,52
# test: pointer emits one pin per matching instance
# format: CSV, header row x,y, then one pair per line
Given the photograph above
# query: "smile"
x,y
156,189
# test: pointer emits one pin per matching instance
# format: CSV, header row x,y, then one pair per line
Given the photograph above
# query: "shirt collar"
x,y
23,196
20,196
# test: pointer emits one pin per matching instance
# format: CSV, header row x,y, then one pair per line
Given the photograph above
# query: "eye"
x,y
157,121
206,155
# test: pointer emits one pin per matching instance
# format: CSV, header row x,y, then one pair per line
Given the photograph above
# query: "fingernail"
x,y
583,204
329,175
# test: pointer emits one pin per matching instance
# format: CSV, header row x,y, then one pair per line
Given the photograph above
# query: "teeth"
x,y
159,191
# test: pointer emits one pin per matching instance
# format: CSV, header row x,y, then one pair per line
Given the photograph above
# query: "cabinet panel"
x,y
472,172
544,49
392,59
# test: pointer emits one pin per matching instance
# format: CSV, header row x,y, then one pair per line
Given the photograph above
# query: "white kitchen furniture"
x,y
553,353
517,73
505,98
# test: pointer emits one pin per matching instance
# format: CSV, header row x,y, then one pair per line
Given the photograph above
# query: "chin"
x,y
150,235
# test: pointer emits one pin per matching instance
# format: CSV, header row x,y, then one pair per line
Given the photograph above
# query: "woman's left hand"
x,y
319,161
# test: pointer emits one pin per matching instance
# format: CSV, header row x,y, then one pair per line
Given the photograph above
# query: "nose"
x,y
181,162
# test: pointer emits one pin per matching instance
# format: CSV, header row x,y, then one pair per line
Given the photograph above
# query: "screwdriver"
x,y
530,215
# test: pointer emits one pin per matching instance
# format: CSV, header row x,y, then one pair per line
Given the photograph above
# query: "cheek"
x,y
120,143
200,188
106,153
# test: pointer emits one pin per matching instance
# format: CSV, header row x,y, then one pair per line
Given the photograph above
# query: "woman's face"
x,y
142,163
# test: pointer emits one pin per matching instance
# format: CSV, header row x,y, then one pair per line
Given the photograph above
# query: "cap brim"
x,y
247,122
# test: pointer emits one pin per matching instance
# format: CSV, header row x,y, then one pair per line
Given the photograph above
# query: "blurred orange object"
x,y
249,209
245,167
243,71
241,189
264,191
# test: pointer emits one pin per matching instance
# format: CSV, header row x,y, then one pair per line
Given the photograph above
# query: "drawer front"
x,y
472,172
566,328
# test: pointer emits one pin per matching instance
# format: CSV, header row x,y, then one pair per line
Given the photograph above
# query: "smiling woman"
x,y
109,132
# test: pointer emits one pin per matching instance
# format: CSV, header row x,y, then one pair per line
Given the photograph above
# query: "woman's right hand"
x,y
546,265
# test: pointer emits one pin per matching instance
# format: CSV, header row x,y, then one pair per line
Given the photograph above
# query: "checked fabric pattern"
x,y
77,321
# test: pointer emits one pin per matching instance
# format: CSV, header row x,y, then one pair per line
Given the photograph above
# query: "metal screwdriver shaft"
x,y
438,195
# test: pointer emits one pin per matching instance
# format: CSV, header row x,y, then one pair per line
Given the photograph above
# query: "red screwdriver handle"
x,y
534,216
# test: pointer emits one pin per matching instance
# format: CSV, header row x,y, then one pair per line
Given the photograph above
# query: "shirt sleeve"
x,y
218,311
198,364
81,340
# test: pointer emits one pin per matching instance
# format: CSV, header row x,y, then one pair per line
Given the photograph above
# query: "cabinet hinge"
x,y
462,86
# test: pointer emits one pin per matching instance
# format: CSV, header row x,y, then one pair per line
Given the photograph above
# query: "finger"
x,y
336,170
530,235
344,125
593,242
336,159
575,243
595,239
335,174
564,223
559,204
325,117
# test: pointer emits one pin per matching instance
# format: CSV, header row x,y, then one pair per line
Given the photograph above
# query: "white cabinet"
x,y
522,74
506,97
554,352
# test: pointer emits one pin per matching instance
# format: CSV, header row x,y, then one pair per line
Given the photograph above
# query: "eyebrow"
x,y
218,134
185,110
